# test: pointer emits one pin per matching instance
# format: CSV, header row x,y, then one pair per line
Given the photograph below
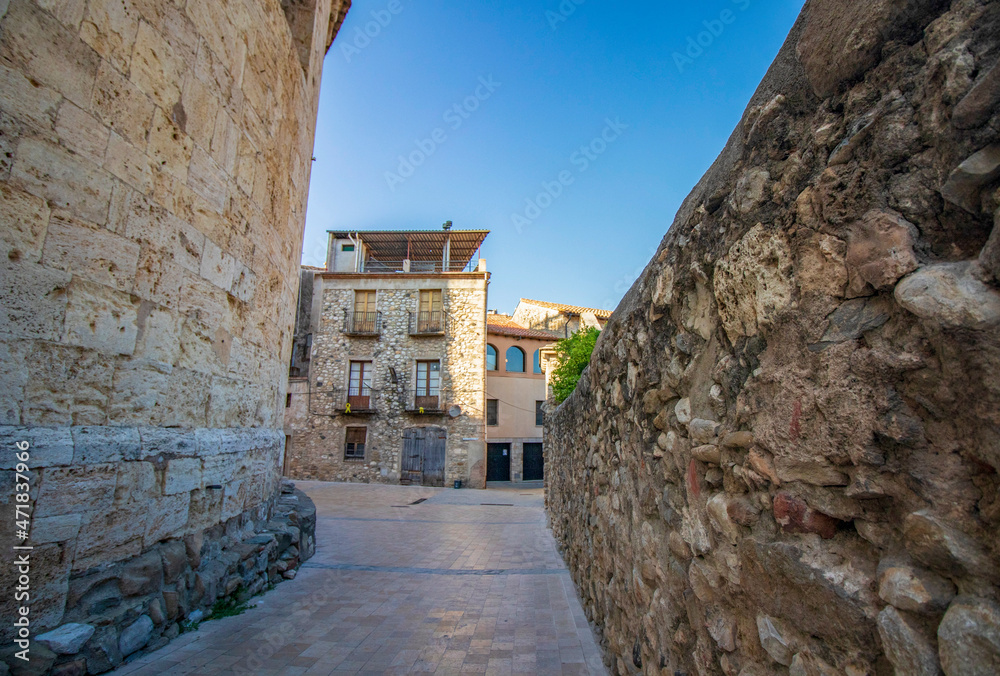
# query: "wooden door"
x,y
435,441
364,312
412,466
360,386
534,463
498,462
429,317
423,456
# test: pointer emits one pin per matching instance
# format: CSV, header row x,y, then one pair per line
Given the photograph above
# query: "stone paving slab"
x,y
462,582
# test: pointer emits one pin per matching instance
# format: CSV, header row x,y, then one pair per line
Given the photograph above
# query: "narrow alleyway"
x,y
466,581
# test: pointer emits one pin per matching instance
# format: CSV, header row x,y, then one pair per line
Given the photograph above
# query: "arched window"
x,y
491,358
515,360
536,362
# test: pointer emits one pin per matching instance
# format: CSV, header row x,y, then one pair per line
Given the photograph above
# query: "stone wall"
x,y
317,450
783,458
154,167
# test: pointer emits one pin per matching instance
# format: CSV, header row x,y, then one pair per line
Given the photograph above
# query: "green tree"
x,y
574,355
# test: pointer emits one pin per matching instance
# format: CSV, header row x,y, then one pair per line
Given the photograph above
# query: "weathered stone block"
x,y
47,446
82,132
136,483
66,180
969,637
156,440
753,282
50,402
67,639
795,516
934,542
32,300
48,51
55,529
169,147
100,318
136,636
34,105
169,517
906,646
25,217
101,444
950,294
183,475
175,560
76,489
121,105
155,68
110,28
879,252
914,589
142,575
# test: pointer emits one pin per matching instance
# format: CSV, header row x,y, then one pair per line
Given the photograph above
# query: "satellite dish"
x,y
455,411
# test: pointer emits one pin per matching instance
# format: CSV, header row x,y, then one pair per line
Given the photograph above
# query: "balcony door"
x,y
429,317
428,384
364,312
359,393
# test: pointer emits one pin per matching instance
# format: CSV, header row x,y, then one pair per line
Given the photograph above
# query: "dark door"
x,y
498,462
423,456
534,462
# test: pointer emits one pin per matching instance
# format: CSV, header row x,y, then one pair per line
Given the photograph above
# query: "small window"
x,y
354,446
347,247
536,362
491,358
539,413
515,360
288,400
491,412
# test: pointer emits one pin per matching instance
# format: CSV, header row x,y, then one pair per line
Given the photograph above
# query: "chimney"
x,y
447,225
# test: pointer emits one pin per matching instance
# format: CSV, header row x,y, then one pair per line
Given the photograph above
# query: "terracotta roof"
x,y
504,325
570,309
314,268
516,331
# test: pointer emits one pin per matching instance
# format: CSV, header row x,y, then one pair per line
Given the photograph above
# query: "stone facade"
x,y
784,456
318,437
154,172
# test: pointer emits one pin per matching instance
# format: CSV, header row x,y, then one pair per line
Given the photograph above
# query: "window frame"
x,y
496,412
506,361
536,362
352,453
539,413
496,357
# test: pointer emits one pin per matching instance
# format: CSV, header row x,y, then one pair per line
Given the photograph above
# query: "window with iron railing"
x,y
359,392
428,385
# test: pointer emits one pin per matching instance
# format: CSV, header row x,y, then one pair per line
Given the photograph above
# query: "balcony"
x,y
413,267
362,323
425,402
359,402
427,323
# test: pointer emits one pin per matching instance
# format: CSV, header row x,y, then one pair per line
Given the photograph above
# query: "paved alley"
x,y
406,579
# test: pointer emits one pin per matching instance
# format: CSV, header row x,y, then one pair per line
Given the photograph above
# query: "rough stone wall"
x,y
783,458
154,167
545,319
318,443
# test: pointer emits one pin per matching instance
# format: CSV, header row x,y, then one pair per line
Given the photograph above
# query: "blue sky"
x,y
571,130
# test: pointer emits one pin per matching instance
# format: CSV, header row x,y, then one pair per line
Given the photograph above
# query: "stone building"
x,y
154,169
395,386
785,456
515,396
558,318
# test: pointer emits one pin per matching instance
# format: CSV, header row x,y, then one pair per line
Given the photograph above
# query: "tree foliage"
x,y
574,355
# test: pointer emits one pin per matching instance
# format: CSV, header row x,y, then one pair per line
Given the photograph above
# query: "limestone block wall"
x,y
783,458
318,443
154,167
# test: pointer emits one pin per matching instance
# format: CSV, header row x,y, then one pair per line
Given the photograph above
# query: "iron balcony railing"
x,y
375,266
427,323
359,400
424,400
362,323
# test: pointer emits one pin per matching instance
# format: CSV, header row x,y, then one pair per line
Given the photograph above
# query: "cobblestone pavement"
x,y
465,582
